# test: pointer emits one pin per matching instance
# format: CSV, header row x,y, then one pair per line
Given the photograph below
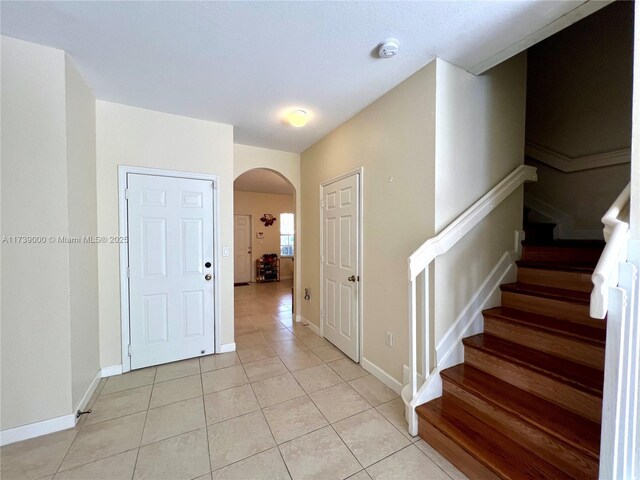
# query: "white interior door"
x,y
170,227
340,269
242,249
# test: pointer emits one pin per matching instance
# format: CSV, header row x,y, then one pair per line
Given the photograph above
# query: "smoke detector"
x,y
388,48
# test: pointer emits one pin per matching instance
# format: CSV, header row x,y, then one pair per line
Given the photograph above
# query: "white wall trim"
x,y
563,221
52,425
381,375
227,347
568,164
123,171
312,326
450,350
89,393
581,11
37,429
111,370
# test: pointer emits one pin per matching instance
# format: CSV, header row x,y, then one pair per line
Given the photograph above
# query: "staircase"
x,y
527,401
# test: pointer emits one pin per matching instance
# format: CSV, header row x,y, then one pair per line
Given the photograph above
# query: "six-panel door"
x,y
340,264
170,226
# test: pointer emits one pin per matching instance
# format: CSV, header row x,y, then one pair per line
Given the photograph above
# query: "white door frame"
x,y
359,171
251,279
123,170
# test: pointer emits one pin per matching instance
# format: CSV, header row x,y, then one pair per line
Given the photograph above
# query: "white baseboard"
x,y
37,429
450,350
314,328
381,375
52,425
89,393
228,347
111,370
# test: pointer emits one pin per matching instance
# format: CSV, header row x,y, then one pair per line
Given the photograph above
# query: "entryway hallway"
x,y
286,405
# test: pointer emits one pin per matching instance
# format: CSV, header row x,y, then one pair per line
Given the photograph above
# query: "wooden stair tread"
x,y
561,294
574,429
578,376
567,243
575,267
592,334
496,451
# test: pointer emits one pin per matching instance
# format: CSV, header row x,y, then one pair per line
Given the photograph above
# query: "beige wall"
x,y
49,310
393,137
143,138
445,137
83,258
256,204
579,103
480,123
36,368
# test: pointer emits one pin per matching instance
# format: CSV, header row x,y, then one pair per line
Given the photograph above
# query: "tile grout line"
x,y
135,465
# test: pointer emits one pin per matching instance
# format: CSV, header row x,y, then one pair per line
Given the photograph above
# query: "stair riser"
x,y
576,463
564,347
556,391
547,253
575,312
580,282
450,450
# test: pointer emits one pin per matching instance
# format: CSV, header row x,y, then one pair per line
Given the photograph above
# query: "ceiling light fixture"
x,y
297,118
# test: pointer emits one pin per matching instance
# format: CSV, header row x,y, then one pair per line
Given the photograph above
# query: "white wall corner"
x,y
111,370
227,347
381,375
450,349
52,425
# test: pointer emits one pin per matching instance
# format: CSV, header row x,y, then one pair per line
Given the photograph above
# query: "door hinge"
x,y
321,203
321,313
128,272
214,184
126,194
129,349
322,259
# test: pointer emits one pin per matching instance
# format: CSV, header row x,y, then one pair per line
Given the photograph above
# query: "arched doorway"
x,y
264,247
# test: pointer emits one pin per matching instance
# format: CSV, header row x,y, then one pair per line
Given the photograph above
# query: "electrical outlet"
x,y
389,336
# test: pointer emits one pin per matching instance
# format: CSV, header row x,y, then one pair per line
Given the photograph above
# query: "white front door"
x,y
242,248
170,227
340,269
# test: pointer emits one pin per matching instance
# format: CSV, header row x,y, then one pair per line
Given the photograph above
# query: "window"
x,y
287,230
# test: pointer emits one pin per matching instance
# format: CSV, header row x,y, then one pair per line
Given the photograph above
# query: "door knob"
x,y
352,278
207,277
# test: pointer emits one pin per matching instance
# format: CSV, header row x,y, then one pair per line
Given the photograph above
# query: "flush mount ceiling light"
x,y
297,118
388,48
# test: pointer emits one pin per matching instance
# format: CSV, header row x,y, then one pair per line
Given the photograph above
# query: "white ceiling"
x,y
262,181
246,63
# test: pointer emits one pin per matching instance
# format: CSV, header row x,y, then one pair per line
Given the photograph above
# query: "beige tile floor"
x,y
286,405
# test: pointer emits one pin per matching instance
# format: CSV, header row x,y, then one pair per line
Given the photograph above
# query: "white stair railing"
x,y
419,263
616,234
